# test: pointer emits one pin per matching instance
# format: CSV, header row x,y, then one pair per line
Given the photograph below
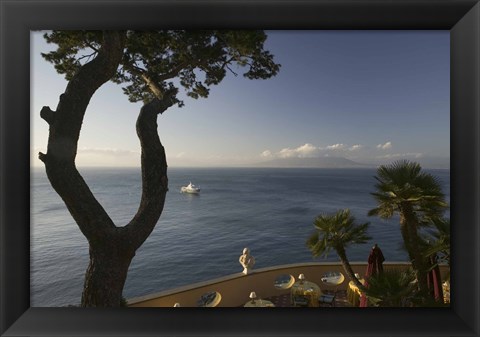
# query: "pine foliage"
x,y
169,60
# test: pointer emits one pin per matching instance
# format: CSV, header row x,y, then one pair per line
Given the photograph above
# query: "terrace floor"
x,y
284,300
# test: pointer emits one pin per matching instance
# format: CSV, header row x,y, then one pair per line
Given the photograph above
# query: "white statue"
x,y
247,261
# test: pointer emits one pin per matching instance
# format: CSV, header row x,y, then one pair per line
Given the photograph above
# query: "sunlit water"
x,y
200,237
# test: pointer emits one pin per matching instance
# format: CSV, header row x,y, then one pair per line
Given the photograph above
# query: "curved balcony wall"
x,y
235,289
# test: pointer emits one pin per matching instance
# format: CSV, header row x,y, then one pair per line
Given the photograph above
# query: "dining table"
x,y
305,293
354,293
259,303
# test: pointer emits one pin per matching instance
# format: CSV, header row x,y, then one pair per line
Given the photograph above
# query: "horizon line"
x,y
245,166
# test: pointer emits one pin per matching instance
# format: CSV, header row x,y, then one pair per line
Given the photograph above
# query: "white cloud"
x,y
287,153
107,157
303,151
91,156
180,155
355,147
266,154
386,146
308,150
105,151
335,147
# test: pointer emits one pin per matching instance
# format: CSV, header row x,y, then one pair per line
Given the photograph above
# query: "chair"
x,y
300,301
327,299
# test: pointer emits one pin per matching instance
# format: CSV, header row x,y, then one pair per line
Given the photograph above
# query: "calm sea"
x,y
200,237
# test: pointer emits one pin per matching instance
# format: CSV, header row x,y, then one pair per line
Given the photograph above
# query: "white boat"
x,y
191,188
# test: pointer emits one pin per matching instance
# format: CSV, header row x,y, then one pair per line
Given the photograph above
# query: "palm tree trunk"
x,y
408,225
348,268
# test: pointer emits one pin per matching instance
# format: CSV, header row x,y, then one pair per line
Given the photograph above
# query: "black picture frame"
x,y
18,18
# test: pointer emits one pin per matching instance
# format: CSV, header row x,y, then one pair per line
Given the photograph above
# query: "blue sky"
x,y
370,96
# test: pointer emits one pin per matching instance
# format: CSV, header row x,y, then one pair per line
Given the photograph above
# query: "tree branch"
x,y
65,125
227,62
154,88
89,56
174,72
230,69
47,114
91,46
154,172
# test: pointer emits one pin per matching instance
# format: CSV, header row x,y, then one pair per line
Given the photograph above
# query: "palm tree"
x,y
337,231
416,196
437,244
439,240
392,288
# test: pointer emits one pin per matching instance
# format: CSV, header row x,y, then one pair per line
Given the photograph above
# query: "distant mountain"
x,y
427,162
320,162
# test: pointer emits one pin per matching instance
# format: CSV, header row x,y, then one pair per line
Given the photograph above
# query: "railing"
x,y
235,289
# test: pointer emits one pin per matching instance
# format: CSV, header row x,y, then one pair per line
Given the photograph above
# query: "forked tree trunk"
x,y
111,248
111,256
106,275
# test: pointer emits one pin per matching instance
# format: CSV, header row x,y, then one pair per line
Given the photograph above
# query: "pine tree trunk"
x,y
111,248
106,275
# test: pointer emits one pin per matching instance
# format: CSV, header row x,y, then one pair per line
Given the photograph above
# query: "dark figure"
x,y
375,261
375,265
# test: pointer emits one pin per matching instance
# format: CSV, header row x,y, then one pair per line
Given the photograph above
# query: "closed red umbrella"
x,y
375,266
434,280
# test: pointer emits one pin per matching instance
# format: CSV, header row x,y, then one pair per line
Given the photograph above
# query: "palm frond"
x,y
404,182
336,231
392,288
438,238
